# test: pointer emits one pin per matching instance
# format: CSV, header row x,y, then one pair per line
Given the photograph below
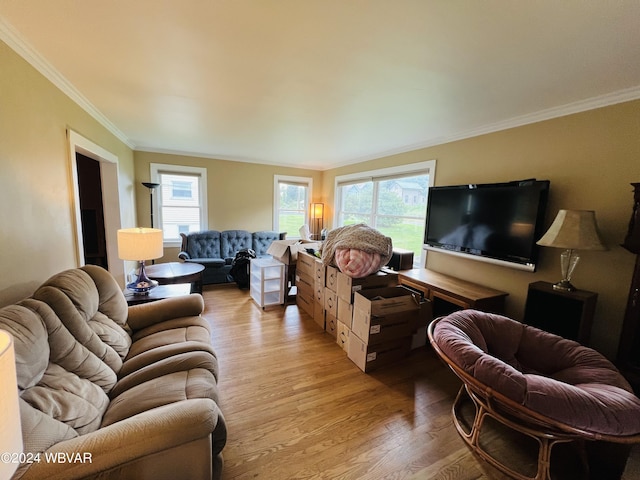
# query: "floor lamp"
x,y
151,187
317,215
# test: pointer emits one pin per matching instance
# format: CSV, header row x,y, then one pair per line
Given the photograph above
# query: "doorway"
x,y
91,211
108,186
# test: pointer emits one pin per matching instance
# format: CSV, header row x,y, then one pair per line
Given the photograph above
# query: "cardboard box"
x,y
320,273
331,325
383,314
331,278
345,312
369,357
306,264
331,302
306,303
319,315
287,251
342,337
348,286
305,286
318,293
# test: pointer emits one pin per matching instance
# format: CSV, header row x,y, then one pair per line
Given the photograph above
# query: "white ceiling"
x,y
323,83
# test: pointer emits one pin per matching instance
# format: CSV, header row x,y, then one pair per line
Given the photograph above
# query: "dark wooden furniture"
x,y
401,259
177,272
158,293
448,294
629,349
568,314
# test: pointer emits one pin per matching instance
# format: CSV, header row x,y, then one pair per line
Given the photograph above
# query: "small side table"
x,y
158,293
568,314
177,272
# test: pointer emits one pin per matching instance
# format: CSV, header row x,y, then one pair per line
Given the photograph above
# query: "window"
x,y
391,200
180,201
181,188
292,197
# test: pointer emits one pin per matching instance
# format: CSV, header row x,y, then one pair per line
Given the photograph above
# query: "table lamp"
x,y
10,428
572,230
140,244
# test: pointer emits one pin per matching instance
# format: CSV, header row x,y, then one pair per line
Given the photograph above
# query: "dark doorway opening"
x,y
91,211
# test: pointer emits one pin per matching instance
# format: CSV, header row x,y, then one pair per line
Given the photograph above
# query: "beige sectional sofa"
x,y
123,392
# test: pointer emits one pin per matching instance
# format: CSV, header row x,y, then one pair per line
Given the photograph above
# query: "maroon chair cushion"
x,y
553,376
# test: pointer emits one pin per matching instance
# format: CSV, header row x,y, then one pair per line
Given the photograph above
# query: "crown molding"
x,y
613,98
10,36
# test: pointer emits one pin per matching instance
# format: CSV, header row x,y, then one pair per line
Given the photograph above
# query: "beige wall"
x,y
239,195
36,212
590,159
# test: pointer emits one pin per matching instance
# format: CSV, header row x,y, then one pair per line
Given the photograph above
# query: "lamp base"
x,y
565,286
142,284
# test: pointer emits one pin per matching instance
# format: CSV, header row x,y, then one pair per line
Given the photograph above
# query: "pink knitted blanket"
x,y
357,250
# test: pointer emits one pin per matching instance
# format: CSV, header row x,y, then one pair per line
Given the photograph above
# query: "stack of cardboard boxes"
x,y
373,319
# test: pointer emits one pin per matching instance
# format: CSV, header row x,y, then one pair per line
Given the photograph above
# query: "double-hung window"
x,y
392,200
292,197
180,200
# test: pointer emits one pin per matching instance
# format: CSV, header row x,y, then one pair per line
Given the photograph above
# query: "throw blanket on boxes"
x,y
357,250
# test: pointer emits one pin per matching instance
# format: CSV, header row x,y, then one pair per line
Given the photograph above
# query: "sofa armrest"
x,y
184,256
146,314
117,448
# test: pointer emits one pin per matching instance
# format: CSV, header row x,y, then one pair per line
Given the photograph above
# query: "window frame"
x,y
292,180
419,168
156,169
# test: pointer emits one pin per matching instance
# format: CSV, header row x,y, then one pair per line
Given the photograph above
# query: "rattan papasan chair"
x,y
541,385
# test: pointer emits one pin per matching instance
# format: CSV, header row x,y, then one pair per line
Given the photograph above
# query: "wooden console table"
x,y
448,294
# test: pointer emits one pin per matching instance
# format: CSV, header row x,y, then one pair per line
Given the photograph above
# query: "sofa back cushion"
x,y
90,304
233,241
63,386
204,244
261,241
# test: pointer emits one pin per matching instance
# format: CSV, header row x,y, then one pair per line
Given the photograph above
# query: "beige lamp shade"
x,y
10,429
140,244
317,210
573,229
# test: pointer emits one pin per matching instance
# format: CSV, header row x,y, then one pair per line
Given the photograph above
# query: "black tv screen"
x,y
497,222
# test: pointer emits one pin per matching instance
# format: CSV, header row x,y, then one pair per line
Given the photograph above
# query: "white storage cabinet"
x,y
267,281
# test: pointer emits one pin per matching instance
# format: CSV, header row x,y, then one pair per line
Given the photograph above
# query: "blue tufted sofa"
x,y
216,250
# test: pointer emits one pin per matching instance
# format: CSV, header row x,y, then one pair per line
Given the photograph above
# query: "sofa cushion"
x,y
204,244
69,399
232,241
261,241
209,262
175,387
73,296
71,388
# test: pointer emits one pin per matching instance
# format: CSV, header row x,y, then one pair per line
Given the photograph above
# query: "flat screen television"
x,y
497,223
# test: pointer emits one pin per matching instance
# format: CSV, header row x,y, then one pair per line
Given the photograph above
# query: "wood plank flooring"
x,y
297,408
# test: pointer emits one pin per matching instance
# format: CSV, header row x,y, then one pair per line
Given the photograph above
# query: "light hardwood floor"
x,y
297,408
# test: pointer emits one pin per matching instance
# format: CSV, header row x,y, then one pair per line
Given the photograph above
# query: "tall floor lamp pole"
x,y
151,186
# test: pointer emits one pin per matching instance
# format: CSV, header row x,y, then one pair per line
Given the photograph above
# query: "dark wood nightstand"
x,y
158,293
568,314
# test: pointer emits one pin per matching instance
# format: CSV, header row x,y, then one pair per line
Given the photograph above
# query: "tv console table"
x,y
448,294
